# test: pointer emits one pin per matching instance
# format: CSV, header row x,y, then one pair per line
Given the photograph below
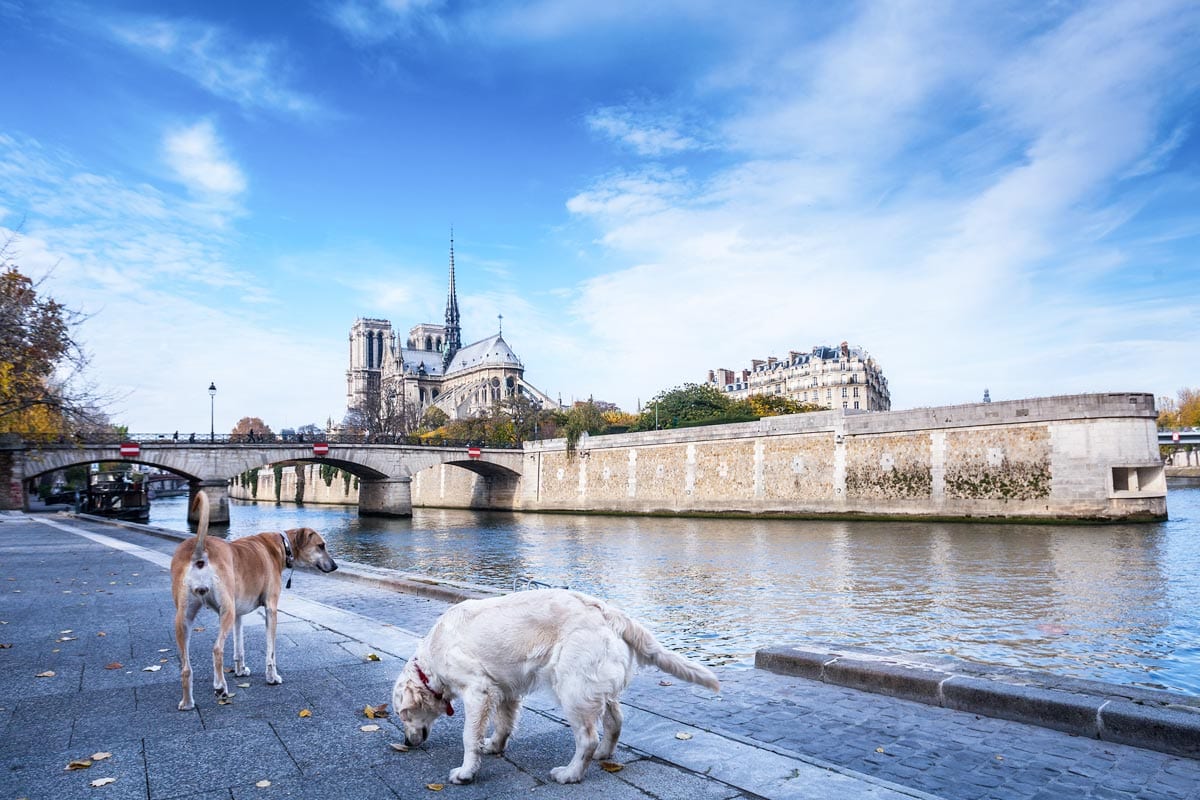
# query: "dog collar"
x,y
287,559
436,695
287,551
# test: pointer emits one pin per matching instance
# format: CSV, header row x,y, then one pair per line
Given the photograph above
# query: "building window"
x,y
856,391
844,393
856,404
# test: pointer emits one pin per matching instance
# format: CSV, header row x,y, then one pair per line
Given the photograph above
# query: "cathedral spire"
x,y
453,331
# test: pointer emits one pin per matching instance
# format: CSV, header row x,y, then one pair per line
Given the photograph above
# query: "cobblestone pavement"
x,y
837,742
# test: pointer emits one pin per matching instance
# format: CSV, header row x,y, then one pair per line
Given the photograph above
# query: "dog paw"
x,y
241,672
565,775
274,680
491,748
461,776
186,705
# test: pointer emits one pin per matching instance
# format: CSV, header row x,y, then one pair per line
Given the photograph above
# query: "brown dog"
x,y
233,579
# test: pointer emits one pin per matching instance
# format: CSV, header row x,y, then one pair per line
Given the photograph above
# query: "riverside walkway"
x,y
90,602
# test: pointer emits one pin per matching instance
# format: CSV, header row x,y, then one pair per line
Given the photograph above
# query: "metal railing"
x,y
226,439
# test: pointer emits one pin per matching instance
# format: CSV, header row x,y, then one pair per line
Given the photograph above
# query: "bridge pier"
x,y
218,501
385,497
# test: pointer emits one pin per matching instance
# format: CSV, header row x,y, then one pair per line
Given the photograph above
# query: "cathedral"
x,y
392,382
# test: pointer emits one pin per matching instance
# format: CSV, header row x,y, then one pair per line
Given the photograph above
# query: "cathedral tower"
x,y
453,331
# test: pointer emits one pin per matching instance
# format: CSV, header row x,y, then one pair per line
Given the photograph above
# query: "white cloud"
x,y
252,74
199,160
953,255
646,137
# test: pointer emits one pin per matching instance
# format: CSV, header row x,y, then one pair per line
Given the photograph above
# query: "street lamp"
x,y
212,407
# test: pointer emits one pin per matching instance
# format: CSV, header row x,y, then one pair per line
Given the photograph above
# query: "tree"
x,y
583,418
41,363
690,404
248,425
1181,412
775,405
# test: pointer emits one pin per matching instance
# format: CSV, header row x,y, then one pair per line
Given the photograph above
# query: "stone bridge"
x,y
384,470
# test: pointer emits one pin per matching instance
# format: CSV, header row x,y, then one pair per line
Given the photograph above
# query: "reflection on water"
x,y
1118,603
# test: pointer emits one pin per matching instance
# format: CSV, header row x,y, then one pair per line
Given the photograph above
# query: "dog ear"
x,y
299,537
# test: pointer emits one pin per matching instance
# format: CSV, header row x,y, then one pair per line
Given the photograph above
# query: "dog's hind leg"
x,y
582,716
184,616
476,704
228,615
239,649
503,722
612,729
271,613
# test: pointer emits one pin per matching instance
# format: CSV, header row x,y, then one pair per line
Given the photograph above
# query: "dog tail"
x,y
650,651
200,508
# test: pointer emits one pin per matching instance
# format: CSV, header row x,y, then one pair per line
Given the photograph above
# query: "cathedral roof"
x,y
413,359
491,352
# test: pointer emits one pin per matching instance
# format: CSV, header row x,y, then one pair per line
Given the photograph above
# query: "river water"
x,y
1119,603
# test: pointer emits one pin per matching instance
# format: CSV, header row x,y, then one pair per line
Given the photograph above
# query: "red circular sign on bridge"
x,y
130,449
474,452
320,448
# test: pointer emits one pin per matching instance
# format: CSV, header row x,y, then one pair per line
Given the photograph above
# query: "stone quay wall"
x,y
1077,457
305,483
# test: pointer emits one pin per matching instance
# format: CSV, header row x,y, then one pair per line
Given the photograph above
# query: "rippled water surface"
x,y
1119,603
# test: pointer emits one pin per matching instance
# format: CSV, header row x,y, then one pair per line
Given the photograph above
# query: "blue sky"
x,y
982,195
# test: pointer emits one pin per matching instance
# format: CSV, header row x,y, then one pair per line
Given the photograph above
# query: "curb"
x,y
1154,720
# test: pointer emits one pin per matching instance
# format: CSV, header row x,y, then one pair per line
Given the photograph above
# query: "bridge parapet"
x,y
210,465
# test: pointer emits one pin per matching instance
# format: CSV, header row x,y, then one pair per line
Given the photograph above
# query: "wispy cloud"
x,y
373,21
252,74
840,214
199,161
645,136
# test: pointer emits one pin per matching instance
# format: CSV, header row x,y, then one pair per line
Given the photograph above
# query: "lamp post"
x,y
212,408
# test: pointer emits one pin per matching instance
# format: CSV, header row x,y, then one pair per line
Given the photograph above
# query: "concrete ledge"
x,y
1170,729
1164,721
1032,705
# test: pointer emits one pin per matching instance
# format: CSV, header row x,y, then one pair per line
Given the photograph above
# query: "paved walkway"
x,y
78,598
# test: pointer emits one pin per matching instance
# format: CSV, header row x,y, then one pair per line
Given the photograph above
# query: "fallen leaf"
x,y
878,749
243,686
164,650
376,712
435,787
372,657
999,758
152,668
225,701
47,674
102,782
101,633
398,747
67,639
665,683
114,665
68,630
163,660
79,763
304,712
369,728
263,784
611,766
684,735
101,756
5,645
198,629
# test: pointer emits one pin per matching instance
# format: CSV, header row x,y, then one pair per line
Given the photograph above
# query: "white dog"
x,y
490,653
